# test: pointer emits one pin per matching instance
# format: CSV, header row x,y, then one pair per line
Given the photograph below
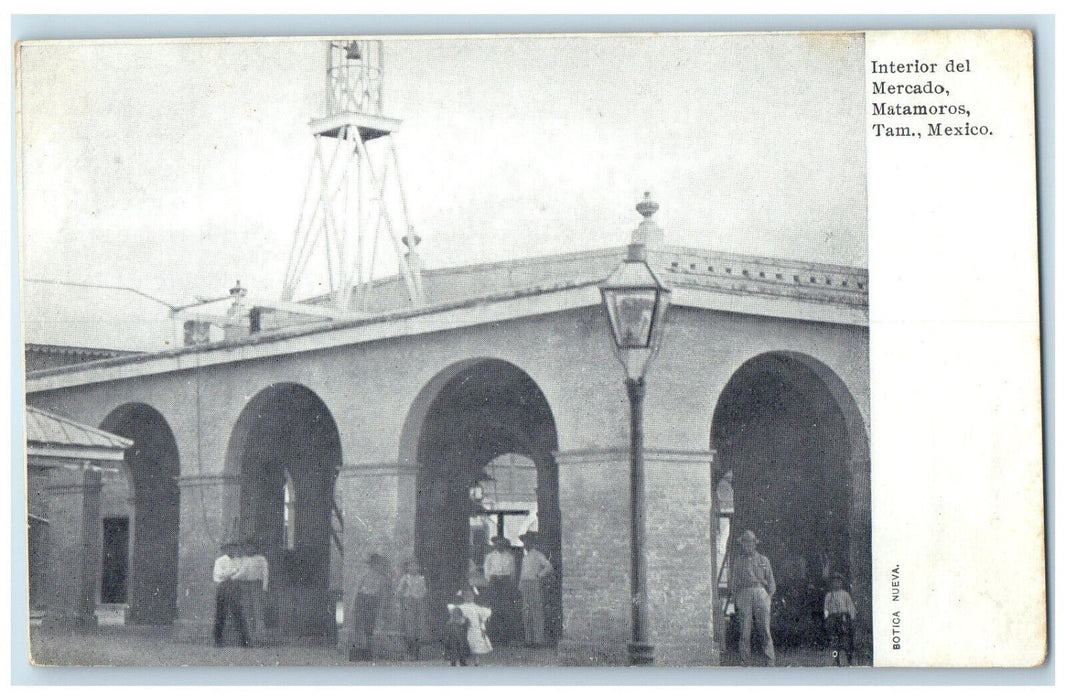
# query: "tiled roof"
x,y
46,428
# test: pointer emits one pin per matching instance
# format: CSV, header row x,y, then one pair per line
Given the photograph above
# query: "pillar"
x,y
594,499
680,554
594,505
208,511
75,545
377,502
859,537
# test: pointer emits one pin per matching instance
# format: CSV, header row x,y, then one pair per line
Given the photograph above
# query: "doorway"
x,y
115,569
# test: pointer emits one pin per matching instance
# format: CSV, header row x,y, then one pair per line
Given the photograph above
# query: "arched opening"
x,y
285,450
483,420
152,467
793,440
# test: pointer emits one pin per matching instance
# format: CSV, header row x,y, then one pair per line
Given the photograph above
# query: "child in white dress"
x,y
477,616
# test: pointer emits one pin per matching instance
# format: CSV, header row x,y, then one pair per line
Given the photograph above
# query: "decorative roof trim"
x,y
742,290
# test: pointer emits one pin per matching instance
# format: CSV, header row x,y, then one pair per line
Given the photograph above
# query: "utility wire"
x,y
157,300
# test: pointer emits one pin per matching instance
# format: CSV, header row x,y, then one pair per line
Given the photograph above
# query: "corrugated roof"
x,y
46,428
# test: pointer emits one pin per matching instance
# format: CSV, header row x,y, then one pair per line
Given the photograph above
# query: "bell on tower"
x,y
355,199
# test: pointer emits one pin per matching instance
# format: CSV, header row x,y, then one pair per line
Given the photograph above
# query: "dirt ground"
x,y
155,646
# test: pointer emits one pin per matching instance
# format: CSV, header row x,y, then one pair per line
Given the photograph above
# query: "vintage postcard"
x,y
563,350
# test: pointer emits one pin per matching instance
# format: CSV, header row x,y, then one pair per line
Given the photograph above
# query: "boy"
x,y
839,614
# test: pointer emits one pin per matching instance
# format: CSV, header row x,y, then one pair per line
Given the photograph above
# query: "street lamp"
x,y
636,302
485,506
478,491
477,494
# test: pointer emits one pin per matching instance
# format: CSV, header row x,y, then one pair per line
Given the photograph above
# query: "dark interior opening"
x,y
115,570
783,435
487,410
152,465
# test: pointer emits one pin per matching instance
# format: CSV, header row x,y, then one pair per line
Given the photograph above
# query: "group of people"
x,y
516,593
466,631
373,590
511,606
512,603
752,588
242,576
506,605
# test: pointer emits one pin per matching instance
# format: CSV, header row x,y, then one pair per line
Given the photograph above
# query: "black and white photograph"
x,y
486,351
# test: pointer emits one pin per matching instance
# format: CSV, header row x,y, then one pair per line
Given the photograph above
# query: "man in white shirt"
x,y
535,569
253,577
228,594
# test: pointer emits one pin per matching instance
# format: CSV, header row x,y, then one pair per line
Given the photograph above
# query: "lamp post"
x,y
636,302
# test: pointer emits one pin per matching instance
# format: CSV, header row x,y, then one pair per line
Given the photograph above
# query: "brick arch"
x,y
857,430
411,433
152,467
468,414
286,432
795,440
267,400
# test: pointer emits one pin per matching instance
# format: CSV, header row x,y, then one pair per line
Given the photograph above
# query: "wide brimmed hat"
x,y
498,540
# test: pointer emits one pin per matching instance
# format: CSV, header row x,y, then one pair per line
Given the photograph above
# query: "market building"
x,y
326,441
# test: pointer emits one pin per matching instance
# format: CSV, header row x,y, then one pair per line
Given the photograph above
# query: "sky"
x,y
177,167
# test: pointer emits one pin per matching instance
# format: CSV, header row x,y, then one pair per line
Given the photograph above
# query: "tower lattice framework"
x,y
354,204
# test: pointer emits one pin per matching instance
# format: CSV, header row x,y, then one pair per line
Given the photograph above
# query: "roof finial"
x,y
647,207
647,234
238,292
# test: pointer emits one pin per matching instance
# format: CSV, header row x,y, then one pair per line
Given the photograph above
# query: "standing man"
x,y
369,595
412,594
253,577
752,583
502,595
535,568
228,594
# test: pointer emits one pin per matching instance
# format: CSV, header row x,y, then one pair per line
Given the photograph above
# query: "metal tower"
x,y
354,196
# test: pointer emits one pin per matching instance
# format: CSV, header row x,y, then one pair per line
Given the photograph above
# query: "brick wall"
x,y
74,545
594,499
595,494
207,504
369,496
370,390
680,555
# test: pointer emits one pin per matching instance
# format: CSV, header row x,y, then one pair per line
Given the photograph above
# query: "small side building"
x,y
65,464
